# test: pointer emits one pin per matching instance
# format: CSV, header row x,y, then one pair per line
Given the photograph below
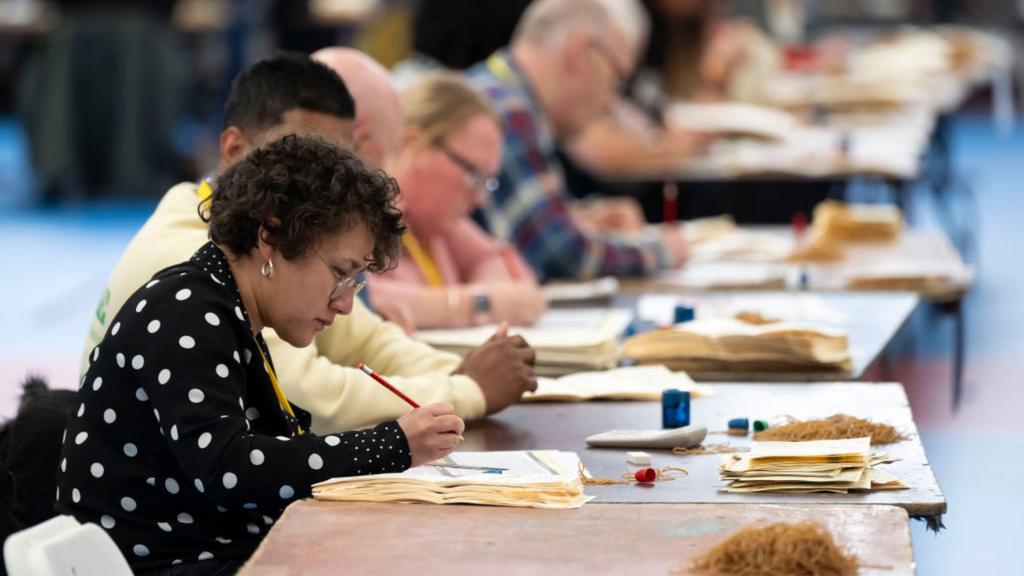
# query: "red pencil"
x,y
386,384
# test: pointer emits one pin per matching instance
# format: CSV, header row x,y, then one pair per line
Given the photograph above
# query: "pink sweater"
x,y
463,254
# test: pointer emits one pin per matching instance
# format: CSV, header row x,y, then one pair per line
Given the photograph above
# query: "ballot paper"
x,y
701,230
600,289
728,344
837,466
566,340
727,275
527,479
731,119
753,308
771,307
629,383
743,245
915,276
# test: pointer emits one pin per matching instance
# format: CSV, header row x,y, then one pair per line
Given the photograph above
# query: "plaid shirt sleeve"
x,y
530,209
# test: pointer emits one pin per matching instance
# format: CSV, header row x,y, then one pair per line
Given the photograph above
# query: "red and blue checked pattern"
x,y
530,208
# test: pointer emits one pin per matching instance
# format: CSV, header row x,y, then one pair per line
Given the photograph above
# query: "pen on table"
x,y
380,380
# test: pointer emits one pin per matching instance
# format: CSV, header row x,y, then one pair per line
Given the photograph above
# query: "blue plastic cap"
x,y
739,423
673,395
683,314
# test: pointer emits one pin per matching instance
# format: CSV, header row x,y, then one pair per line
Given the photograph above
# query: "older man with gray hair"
x,y
563,71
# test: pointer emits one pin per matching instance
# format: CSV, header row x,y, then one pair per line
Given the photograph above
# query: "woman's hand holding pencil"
x,y
432,431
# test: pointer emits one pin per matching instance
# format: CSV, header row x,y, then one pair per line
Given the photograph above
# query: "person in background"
x,y
294,94
377,131
632,138
697,53
451,273
183,446
562,72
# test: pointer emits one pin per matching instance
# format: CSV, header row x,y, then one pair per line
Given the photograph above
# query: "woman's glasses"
x,y
343,282
475,179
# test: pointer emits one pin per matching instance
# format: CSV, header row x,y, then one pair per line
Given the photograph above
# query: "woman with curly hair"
x,y
183,445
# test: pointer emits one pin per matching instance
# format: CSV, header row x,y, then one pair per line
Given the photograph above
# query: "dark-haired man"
x,y
295,94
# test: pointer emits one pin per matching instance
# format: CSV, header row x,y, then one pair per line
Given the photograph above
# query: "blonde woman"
x,y
451,273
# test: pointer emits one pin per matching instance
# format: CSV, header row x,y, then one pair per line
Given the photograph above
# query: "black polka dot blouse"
x,y
179,447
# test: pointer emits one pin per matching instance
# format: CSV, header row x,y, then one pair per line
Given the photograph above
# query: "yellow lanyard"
x,y
423,260
281,399
205,193
500,68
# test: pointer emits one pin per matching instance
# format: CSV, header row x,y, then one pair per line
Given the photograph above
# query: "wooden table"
x,y
313,538
872,320
565,426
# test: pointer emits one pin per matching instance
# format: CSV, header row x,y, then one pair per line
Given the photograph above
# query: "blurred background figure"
x,y
451,272
562,71
101,99
377,132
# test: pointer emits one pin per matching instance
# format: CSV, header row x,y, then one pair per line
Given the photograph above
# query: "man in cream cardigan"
x,y
296,94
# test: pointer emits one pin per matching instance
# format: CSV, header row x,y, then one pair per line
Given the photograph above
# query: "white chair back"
x,y
63,547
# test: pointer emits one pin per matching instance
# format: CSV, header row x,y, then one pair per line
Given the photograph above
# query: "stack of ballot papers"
x,y
841,222
729,344
566,340
525,479
814,466
629,383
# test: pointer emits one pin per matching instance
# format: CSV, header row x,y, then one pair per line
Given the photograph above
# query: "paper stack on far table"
x,y
814,466
841,222
529,479
629,383
566,340
727,344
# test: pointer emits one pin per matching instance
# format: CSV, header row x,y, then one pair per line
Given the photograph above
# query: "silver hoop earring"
x,y
267,269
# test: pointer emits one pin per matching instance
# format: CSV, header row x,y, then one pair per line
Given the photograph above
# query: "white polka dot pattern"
x,y
225,461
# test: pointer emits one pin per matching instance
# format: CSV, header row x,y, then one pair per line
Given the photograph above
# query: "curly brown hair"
x,y
299,189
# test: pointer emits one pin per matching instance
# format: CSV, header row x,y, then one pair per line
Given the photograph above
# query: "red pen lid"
x,y
646,475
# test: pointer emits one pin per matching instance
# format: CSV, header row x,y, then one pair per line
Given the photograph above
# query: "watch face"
x,y
481,304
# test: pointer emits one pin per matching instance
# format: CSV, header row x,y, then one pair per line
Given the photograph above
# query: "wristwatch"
x,y
481,308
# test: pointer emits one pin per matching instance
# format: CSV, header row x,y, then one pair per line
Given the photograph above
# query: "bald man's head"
x,y
377,135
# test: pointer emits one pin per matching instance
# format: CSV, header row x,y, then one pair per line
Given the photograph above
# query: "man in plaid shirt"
x,y
562,71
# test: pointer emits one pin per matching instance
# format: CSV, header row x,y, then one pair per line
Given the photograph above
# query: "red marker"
x,y
670,202
386,384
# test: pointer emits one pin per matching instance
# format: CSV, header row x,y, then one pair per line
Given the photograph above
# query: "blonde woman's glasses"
x,y
475,179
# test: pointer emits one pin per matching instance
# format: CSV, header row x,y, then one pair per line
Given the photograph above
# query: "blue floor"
x,y
56,262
